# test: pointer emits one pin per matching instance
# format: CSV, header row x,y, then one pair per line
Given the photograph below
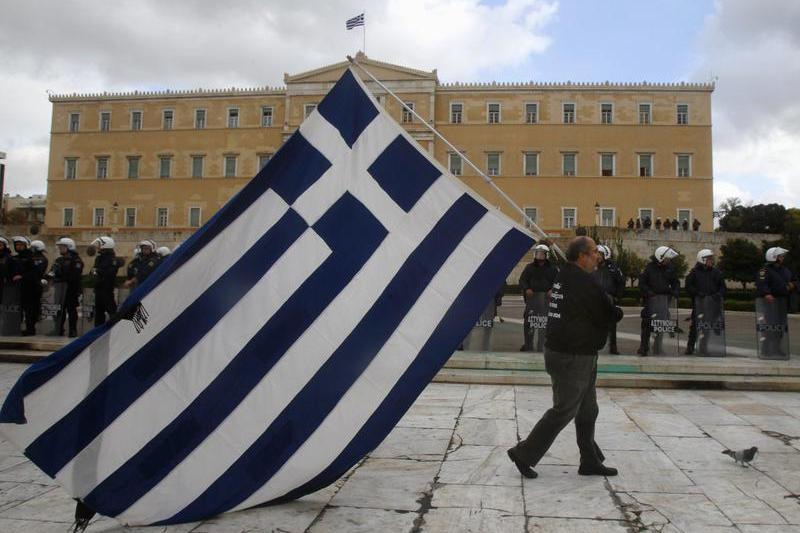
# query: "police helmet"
x,y
605,250
704,254
148,242
774,253
104,243
541,248
38,246
66,241
21,238
163,251
665,252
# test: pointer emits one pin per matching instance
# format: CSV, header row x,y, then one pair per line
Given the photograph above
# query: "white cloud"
x,y
96,45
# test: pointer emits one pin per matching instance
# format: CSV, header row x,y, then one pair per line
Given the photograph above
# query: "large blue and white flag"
x,y
286,337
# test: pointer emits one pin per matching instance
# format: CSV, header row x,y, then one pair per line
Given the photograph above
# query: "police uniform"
x,y
657,279
537,276
5,270
146,265
703,281
31,267
611,279
774,279
68,269
105,273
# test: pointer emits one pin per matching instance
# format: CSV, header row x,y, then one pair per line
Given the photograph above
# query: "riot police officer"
x,y
537,278
612,281
658,278
704,280
5,265
105,275
775,282
68,269
146,263
28,270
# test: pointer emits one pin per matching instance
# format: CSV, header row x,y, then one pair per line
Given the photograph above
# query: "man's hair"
x,y
578,246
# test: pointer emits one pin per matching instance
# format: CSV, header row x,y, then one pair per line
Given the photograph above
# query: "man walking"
x,y
577,326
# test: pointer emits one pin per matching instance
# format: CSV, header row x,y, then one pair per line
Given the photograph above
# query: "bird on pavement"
x,y
742,456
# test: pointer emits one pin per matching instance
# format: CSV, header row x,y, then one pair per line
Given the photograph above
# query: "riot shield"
x,y
709,323
53,298
535,320
86,311
662,322
772,328
479,338
10,311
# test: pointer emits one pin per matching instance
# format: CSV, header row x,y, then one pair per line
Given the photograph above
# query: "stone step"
x,y
21,356
42,343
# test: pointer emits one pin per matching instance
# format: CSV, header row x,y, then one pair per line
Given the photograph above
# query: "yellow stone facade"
x,y
94,141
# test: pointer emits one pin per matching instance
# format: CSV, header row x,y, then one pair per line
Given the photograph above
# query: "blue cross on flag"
x,y
286,337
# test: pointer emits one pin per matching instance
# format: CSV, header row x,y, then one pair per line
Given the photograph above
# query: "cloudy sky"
x,y
752,49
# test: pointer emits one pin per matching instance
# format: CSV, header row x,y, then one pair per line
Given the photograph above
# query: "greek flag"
x,y
354,22
285,338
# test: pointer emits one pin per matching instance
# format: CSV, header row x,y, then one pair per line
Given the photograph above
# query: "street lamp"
x,y
596,214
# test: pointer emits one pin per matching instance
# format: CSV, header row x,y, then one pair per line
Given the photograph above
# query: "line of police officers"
x,y
774,281
27,270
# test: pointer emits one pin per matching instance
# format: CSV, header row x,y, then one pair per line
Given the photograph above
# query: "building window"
x,y
233,118
531,215
456,112
683,113
197,166
308,109
69,217
684,164
130,217
685,215
645,165
136,120
105,121
644,114
645,213
263,159
493,163
608,216
199,119
606,113
569,217
230,166
70,168
164,166
607,164
493,113
194,217
102,168
569,113
99,216
531,164
455,164
162,217
407,117
531,113
74,122
569,164
133,167
266,116
166,119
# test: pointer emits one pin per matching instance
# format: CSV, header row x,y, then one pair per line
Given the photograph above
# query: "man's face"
x,y
709,262
18,246
780,259
62,249
588,260
146,250
539,255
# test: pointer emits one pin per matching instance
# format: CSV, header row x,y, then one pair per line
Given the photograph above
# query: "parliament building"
x,y
569,153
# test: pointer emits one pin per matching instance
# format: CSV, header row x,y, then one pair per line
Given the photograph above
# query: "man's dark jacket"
x,y
610,278
658,279
105,270
579,313
537,277
773,279
705,281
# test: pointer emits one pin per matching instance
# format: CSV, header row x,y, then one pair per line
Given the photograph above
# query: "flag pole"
x,y
364,32
486,178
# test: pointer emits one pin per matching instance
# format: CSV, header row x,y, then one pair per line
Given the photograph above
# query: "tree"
x,y
680,266
628,262
740,261
760,218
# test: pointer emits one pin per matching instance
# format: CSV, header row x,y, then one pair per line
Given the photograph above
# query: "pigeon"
x,y
743,456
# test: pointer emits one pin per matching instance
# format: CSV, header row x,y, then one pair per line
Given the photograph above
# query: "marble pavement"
x,y
444,469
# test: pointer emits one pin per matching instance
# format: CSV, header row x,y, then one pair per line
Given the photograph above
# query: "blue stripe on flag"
x,y
348,108
403,172
353,234
321,394
296,164
437,350
66,438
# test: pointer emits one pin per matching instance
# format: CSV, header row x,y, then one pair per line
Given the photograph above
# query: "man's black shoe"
x,y
597,470
524,469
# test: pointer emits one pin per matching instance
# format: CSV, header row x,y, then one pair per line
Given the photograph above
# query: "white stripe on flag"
x,y
267,400
52,401
166,399
367,393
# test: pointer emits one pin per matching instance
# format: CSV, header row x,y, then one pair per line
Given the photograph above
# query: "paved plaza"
x,y
444,468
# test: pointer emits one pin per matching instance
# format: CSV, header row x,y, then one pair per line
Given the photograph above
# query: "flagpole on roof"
x,y
485,177
364,32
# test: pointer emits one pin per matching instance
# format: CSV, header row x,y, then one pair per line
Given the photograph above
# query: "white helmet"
x,y
148,242
38,246
775,252
21,238
605,250
104,243
163,251
665,252
703,254
66,241
541,248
